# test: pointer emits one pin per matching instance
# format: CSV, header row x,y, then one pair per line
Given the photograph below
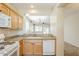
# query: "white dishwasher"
x,y
49,47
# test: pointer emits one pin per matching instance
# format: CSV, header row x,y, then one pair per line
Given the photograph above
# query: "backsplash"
x,y
9,32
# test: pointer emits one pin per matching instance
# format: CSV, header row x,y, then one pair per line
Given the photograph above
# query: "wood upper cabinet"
x,y
17,21
14,20
4,9
20,22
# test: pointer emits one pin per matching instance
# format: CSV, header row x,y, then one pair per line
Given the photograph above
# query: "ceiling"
x,y
40,8
35,10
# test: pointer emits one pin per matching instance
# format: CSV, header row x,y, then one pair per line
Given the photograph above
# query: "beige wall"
x,y
9,32
53,21
71,24
58,31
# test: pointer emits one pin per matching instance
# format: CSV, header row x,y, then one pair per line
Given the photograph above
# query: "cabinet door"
x,y
32,47
21,47
4,9
20,23
38,48
14,20
28,48
48,47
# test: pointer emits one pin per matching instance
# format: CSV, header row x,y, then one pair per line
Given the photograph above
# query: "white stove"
x,y
9,50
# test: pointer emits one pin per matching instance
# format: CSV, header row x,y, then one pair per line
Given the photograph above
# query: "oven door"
x,y
14,52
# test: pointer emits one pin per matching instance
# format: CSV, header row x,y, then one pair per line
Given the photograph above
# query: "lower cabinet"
x,y
21,45
28,48
38,47
33,47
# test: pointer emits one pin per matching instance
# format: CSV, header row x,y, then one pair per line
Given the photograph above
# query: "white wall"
x,y
57,29
60,32
31,28
28,26
71,26
53,21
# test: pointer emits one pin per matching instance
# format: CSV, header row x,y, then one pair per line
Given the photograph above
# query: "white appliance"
x,y
49,47
10,50
5,20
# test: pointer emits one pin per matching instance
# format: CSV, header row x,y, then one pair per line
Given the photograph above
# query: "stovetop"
x,y
7,48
